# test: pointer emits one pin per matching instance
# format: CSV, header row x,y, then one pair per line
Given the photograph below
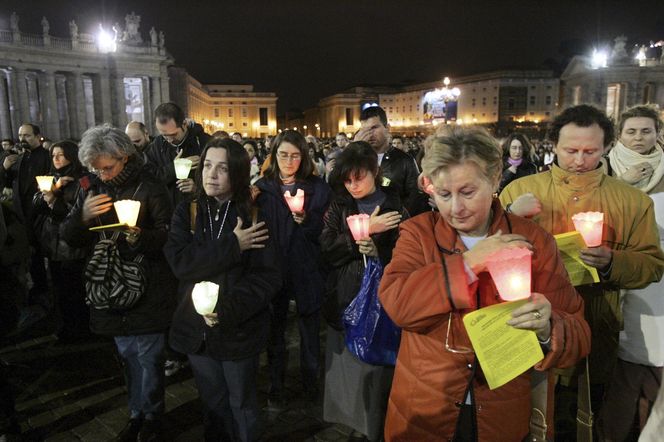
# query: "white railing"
x,y
32,40
6,36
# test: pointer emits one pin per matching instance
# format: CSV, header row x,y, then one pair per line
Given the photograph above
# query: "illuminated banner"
x,y
438,107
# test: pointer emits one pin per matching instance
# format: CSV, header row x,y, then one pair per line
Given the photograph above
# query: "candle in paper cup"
x,y
295,202
359,226
204,296
182,168
589,225
45,182
510,270
127,211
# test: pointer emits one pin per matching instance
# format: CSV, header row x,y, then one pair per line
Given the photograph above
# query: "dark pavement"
x,y
75,392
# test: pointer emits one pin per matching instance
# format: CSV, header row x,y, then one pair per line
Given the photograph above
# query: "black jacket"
x,y
21,178
524,169
297,244
342,256
248,280
401,170
159,155
48,222
152,313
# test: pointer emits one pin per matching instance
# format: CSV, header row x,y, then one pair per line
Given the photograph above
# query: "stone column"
x,y
103,92
147,101
165,95
22,103
63,110
76,101
49,104
155,92
14,107
5,116
120,106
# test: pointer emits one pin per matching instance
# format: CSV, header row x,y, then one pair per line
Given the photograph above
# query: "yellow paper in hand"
x,y
504,352
570,244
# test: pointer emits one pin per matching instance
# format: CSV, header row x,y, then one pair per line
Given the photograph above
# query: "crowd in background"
x,y
434,218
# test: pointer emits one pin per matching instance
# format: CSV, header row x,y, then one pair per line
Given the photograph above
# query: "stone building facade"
x,y
66,85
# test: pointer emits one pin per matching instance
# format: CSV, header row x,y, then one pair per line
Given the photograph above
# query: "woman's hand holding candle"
x,y
477,256
367,247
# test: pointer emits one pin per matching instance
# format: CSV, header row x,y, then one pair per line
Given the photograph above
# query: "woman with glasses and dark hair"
x,y
138,331
296,235
355,392
517,159
66,263
218,239
438,274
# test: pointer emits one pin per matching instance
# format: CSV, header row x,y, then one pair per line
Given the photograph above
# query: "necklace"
x,y
223,221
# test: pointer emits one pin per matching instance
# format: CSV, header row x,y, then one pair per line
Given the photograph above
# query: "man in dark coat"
x,y
178,138
19,172
397,167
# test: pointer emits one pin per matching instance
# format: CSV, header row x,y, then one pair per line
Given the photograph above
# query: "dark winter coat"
x,y
152,313
21,178
401,171
524,169
159,155
342,255
297,244
248,280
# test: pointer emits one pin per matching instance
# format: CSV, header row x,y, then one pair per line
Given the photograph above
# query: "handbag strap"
x,y
584,414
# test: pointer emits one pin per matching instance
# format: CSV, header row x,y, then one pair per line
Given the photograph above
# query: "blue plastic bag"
x,y
370,334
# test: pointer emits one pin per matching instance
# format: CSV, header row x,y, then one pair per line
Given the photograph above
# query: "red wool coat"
x,y
429,380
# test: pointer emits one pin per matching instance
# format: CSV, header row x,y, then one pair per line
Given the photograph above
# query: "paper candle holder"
x,y
511,271
182,168
204,296
127,211
44,182
295,202
589,225
359,226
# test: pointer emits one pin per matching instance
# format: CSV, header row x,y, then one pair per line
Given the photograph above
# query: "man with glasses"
x,y
178,138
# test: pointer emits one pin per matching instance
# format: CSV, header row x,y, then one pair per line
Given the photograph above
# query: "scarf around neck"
x,y
514,162
623,158
132,167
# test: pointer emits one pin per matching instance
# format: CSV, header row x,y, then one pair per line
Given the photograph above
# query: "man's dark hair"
x,y
343,134
8,139
35,128
582,115
374,111
397,137
169,111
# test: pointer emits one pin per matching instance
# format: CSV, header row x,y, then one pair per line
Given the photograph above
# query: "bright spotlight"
x,y
105,41
599,59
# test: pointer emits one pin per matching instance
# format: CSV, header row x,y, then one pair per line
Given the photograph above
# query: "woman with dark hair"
x,y
517,159
207,242
66,263
251,148
296,234
355,392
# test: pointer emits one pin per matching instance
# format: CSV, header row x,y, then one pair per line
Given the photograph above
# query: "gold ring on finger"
x,y
537,314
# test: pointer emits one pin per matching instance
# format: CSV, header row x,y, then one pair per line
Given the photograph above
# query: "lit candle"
x,y
359,228
295,202
45,182
589,225
510,270
127,211
204,296
182,168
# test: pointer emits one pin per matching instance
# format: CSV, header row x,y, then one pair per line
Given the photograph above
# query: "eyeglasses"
x,y
105,170
459,350
285,156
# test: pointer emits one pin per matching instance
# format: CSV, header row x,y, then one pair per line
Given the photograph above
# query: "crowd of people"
x,y
438,208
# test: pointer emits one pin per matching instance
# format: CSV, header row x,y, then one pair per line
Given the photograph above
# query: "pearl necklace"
x,y
216,218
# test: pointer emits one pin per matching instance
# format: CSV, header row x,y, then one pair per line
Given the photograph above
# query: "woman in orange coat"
x,y
437,275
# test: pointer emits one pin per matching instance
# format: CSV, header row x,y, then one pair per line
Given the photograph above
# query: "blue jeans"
x,y
143,357
228,392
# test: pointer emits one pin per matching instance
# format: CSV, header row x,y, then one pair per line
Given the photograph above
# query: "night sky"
x,y
306,50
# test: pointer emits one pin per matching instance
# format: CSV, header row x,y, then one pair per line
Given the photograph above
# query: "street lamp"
x,y
105,41
599,59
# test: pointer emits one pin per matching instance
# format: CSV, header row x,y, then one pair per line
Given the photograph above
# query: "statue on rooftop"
x,y
13,22
153,36
45,26
73,30
132,23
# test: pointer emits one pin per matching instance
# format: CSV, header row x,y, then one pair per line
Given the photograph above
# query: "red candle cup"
x,y
510,270
589,225
295,202
359,226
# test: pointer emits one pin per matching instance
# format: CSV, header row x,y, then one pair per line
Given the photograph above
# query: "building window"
x,y
510,104
349,116
532,113
133,92
576,95
495,100
548,100
532,100
244,124
244,112
473,102
216,112
547,113
548,87
484,101
262,116
230,112
230,124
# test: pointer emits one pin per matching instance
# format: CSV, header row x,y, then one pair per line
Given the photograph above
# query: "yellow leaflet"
x,y
504,352
569,245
